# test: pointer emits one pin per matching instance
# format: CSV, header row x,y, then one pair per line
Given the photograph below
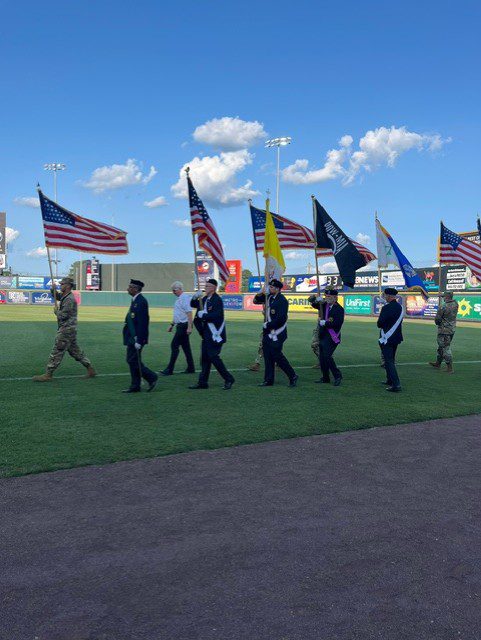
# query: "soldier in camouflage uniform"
x,y
446,322
66,338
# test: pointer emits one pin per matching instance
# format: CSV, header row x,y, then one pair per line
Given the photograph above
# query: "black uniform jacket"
x,y
335,318
137,321
215,315
387,318
278,306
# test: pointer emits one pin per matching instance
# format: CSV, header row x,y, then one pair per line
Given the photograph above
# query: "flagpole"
x,y
255,245
55,303
378,267
196,274
439,266
315,247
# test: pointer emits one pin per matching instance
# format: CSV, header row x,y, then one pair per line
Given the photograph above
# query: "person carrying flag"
x,y
390,323
275,333
446,322
331,319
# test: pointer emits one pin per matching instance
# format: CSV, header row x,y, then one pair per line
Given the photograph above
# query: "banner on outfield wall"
x,y
460,278
249,304
358,305
469,307
41,297
92,273
3,297
379,302
232,302
418,307
234,284
8,282
18,297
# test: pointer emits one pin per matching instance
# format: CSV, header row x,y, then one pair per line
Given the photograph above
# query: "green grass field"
x,y
73,421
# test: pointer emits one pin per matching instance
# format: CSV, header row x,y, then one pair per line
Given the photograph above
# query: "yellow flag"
x,y
275,265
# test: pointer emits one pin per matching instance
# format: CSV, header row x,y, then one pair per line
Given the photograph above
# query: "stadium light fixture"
x,y
278,142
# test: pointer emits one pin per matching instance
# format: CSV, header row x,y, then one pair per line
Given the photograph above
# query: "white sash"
x,y
385,336
216,337
274,332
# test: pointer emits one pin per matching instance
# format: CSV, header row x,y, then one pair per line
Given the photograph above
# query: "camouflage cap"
x,y
68,280
447,294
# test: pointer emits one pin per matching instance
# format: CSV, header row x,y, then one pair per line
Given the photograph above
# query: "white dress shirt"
x,y
182,308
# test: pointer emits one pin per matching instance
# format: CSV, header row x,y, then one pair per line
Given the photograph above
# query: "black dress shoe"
x,y
293,381
337,382
199,386
266,384
129,390
228,385
166,372
322,381
394,389
152,384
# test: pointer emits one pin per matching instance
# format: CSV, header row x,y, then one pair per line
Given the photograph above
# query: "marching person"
x,y
136,336
182,322
210,323
275,333
390,322
331,319
446,322
66,338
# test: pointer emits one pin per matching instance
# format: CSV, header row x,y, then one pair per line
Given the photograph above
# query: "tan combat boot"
x,y
91,373
449,368
255,366
436,365
46,377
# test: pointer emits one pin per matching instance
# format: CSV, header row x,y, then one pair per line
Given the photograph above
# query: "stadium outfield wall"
x,y
355,304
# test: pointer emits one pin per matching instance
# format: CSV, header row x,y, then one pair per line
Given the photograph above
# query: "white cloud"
x,y
117,176
39,252
11,234
27,201
379,147
230,134
294,255
328,267
156,202
363,238
181,223
214,179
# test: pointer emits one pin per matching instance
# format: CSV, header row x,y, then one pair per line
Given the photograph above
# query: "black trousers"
x,y
210,355
327,346
181,339
138,369
389,353
273,355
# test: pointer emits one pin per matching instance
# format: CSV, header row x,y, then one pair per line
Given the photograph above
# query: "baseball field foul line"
x,y
342,366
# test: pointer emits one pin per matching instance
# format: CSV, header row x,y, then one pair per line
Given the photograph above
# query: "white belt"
x,y
216,337
275,332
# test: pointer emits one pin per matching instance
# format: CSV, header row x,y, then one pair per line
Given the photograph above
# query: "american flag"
x,y
203,226
66,230
293,235
457,250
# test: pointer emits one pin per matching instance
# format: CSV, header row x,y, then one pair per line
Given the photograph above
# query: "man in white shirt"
x,y
182,322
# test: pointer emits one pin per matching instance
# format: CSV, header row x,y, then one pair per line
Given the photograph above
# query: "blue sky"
x,y
391,90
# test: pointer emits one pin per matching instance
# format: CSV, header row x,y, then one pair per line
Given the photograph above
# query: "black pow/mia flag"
x,y
330,236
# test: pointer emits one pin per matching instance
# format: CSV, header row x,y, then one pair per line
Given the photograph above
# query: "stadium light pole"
x,y
55,167
278,142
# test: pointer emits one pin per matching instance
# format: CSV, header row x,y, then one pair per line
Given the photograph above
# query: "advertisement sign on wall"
x,y
42,297
430,278
367,281
205,268
379,303
469,307
232,303
3,297
8,282
93,275
357,305
418,307
31,282
392,279
3,261
234,284
18,297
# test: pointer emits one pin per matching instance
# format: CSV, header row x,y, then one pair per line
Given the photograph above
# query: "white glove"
x,y
201,314
318,298
197,295
265,325
322,323
138,346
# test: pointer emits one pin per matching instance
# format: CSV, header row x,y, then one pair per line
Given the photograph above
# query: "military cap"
x,y
68,280
391,291
331,292
448,294
212,281
276,283
137,283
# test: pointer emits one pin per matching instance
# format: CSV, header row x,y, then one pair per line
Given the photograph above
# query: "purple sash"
x,y
332,333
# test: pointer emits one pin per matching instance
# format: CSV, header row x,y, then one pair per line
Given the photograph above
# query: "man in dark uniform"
x,y
136,335
390,322
331,319
209,322
275,333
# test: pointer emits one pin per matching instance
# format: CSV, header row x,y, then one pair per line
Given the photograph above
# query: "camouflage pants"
x,y
444,348
66,341
315,341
